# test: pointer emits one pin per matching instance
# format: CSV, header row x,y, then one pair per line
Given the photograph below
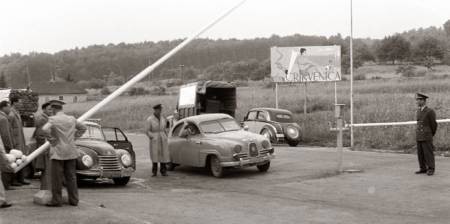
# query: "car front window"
x,y
93,132
230,125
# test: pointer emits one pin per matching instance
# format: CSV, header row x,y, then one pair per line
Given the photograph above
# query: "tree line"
x,y
231,59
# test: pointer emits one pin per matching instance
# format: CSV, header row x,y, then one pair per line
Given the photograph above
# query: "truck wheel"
x,y
121,181
214,167
171,166
263,168
293,143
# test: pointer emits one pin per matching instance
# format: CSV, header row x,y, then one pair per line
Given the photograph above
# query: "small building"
x,y
64,91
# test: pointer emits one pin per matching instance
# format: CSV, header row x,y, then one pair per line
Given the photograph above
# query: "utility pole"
x,y
351,75
181,73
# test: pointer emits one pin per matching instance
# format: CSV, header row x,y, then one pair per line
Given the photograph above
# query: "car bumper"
x,y
252,161
125,172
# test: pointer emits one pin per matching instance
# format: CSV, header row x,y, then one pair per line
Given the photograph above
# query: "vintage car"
x,y
216,141
275,124
105,153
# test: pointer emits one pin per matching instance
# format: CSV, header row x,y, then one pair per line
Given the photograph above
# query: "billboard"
x,y
188,95
306,64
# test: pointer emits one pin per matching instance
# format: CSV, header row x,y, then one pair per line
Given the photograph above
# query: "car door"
x,y
261,121
190,152
250,119
176,143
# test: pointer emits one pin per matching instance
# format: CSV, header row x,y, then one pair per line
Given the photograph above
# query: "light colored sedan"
x,y
217,142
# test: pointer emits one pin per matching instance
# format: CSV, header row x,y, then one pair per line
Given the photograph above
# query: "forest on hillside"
x,y
231,59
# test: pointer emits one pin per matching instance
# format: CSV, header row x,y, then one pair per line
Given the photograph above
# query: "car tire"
x,y
264,167
268,134
121,181
293,143
171,166
214,167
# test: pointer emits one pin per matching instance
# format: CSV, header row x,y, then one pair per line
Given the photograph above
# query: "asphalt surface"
x,y
300,187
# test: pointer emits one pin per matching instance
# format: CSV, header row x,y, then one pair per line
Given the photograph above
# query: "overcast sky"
x,y
54,25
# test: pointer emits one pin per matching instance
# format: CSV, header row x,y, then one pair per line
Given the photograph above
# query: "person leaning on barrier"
x,y
425,130
156,130
42,162
63,130
18,137
4,168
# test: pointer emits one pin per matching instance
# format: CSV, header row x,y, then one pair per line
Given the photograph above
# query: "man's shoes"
x,y
16,184
154,175
25,182
164,174
73,204
421,171
430,172
5,205
53,205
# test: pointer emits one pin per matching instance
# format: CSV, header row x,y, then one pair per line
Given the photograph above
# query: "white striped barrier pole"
x,y
392,123
133,81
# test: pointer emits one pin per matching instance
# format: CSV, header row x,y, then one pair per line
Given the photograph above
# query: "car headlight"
x,y
87,161
126,160
292,132
237,148
265,144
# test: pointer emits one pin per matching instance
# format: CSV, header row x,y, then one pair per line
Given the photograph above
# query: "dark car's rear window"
x,y
282,117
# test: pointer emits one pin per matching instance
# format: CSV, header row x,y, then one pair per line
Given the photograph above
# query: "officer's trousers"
x,y
425,154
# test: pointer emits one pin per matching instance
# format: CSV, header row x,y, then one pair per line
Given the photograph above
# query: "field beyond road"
x,y
386,97
300,187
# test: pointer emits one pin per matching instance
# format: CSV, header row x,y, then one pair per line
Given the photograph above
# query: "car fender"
x,y
204,155
272,129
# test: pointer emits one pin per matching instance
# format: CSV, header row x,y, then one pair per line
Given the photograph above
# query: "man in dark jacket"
x,y
426,129
7,139
42,162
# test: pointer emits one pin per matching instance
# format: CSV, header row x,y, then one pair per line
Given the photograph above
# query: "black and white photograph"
x,y
225,111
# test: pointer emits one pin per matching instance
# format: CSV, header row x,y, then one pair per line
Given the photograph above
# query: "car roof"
x,y
205,117
273,110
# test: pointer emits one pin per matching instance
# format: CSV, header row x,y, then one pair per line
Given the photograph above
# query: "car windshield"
x,y
283,117
94,132
218,126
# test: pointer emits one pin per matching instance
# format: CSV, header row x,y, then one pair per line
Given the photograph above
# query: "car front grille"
x,y
109,163
252,149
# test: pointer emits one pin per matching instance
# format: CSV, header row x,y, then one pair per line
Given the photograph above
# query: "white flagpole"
x,y
134,80
351,75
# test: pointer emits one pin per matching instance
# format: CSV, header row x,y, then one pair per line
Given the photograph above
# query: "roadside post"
x,y
338,114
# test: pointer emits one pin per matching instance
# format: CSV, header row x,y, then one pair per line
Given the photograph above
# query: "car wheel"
x,y
214,167
293,143
171,166
121,181
266,133
263,168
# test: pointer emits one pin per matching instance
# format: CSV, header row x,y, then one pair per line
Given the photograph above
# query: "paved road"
x,y
301,187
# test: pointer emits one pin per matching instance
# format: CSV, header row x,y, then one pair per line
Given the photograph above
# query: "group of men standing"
x,y
57,165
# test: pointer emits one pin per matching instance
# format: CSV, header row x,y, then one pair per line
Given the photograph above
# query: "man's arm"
x,y
81,129
4,163
148,129
6,134
432,120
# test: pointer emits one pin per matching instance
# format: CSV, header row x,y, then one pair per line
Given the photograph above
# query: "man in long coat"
x,y
18,136
426,129
42,162
156,130
6,137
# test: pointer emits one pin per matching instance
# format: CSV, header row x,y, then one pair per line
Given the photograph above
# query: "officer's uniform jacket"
x,y
17,131
6,132
426,124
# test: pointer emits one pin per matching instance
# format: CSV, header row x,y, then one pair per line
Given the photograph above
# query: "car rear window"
x,y
283,117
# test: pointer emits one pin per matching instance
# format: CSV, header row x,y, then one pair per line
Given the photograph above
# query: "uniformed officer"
x,y
426,129
63,130
7,139
156,130
4,167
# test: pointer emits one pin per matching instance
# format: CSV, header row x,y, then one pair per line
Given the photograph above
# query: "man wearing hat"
x,y
425,130
63,130
41,163
156,130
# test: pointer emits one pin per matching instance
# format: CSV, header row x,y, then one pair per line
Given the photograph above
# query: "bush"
x,y
359,77
406,71
105,91
136,91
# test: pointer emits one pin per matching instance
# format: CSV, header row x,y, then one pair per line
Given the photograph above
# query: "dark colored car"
x,y
105,153
277,125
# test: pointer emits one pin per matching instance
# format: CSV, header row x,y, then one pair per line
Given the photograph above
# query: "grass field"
x,y
377,100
